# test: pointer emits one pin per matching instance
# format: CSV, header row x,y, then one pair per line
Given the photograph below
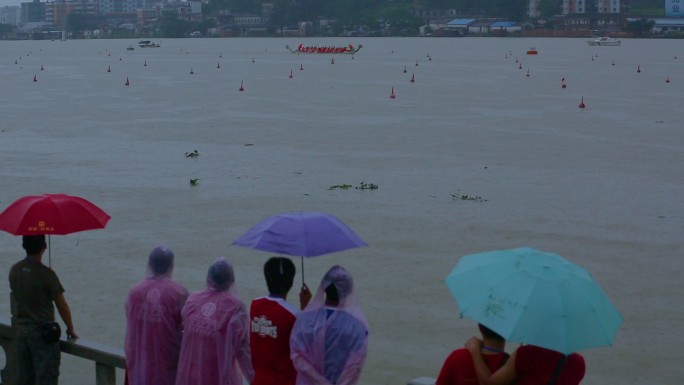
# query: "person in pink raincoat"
x,y
153,323
215,347
329,339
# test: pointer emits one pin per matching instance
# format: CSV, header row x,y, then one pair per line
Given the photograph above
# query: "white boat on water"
x,y
604,40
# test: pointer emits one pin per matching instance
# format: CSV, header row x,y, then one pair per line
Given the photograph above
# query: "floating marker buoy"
x,y
563,85
429,58
528,73
612,63
413,78
241,87
638,69
668,79
291,75
301,67
581,105
42,68
221,56
35,78
506,56
218,65
252,60
516,59
332,61
404,69
392,96
191,71
416,63
128,83
592,58
120,59
109,68
519,66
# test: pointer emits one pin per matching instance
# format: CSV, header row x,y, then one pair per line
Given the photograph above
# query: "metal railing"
x,y
106,358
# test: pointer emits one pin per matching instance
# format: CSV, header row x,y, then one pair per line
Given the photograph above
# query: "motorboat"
x,y
532,51
604,40
148,44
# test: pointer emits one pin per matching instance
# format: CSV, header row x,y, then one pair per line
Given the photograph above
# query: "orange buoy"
x,y
392,96
291,74
413,78
128,83
581,105
241,87
35,78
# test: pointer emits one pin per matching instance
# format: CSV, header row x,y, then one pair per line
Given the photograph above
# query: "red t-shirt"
x,y
535,365
458,368
269,338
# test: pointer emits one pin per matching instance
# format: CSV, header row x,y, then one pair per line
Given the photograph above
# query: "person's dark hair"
x,y
279,273
331,294
489,333
33,244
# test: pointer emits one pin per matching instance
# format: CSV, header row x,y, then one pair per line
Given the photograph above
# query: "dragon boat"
x,y
350,49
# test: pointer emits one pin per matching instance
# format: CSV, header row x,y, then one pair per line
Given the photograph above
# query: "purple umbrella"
x,y
301,234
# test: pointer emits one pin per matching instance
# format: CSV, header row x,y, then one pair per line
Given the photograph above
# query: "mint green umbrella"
x,y
534,297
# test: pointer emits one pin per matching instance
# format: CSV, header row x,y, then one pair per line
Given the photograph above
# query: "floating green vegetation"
x,y
341,186
194,182
193,154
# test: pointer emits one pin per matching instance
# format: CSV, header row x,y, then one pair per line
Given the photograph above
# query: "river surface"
x,y
602,186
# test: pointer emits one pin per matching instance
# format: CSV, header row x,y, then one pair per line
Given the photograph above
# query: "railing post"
x,y
104,374
9,372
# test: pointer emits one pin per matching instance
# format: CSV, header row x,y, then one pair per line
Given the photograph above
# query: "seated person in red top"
x,y
529,365
272,319
458,368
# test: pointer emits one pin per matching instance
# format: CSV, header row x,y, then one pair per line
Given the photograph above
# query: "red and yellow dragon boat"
x,y
350,49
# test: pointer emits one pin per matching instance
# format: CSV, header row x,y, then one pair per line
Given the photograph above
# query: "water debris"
x,y
361,186
192,154
466,197
194,182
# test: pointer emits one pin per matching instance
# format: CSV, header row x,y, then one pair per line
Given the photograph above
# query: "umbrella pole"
x,y
49,253
302,271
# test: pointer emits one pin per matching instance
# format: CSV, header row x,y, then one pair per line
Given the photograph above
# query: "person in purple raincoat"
x,y
215,346
329,339
153,323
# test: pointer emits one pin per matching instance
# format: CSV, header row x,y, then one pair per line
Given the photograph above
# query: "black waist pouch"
x,y
50,331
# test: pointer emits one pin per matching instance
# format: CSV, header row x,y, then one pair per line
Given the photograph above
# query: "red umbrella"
x,y
48,214
57,214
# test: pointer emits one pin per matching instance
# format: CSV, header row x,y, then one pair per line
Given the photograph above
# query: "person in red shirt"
x,y
530,365
271,319
458,368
